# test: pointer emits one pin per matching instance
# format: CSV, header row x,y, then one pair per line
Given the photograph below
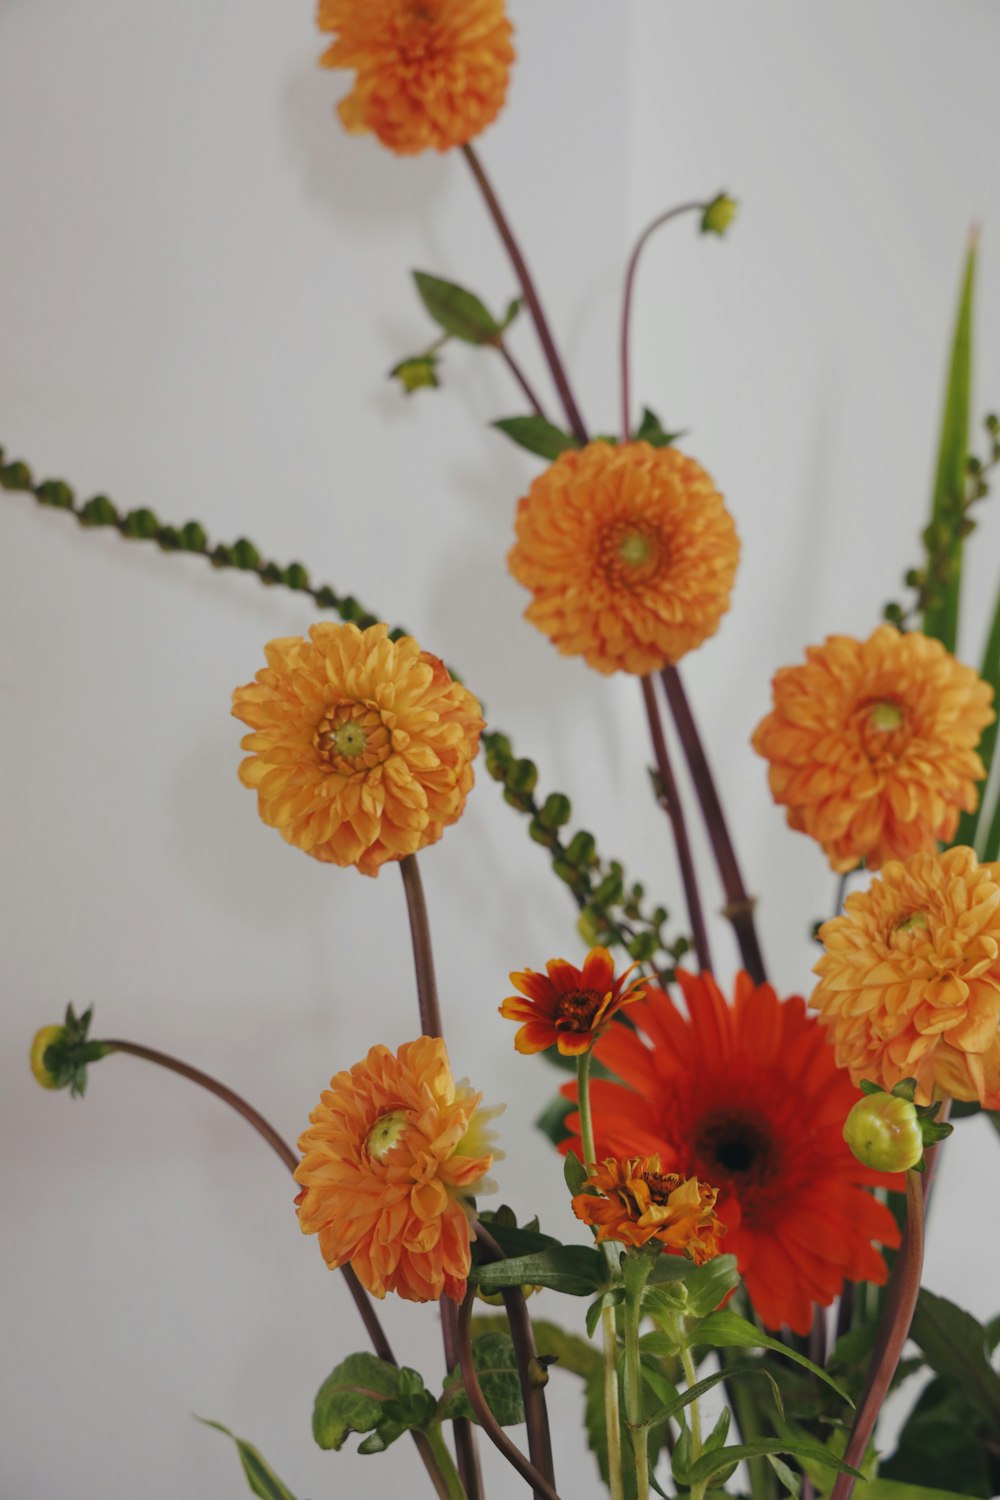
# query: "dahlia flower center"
x,y
916,921
660,1185
883,729
735,1146
577,1008
351,738
386,1133
630,552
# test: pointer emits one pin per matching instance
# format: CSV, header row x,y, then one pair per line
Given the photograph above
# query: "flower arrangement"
x,y
750,1178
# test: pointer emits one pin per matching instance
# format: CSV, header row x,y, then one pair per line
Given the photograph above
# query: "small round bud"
x,y
719,214
47,1037
884,1132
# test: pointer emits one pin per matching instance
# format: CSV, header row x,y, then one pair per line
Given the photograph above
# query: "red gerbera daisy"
x,y
749,1097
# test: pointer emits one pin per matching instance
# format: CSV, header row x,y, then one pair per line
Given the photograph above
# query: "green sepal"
x,y
365,1394
68,1057
261,1478
651,430
496,1365
536,435
417,372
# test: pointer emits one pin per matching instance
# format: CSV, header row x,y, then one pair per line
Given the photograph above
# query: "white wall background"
x,y
202,285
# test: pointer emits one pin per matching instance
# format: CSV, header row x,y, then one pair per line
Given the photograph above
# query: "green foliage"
x,y
553,1344
552,1120
261,1478
941,1443
574,1172
597,1435
365,1394
536,435
496,1365
727,1330
459,312
722,1460
651,430
955,1345
576,1270
67,1057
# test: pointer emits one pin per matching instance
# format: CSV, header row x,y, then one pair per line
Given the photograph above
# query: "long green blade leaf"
x,y
969,824
725,1458
726,1330
941,619
261,1478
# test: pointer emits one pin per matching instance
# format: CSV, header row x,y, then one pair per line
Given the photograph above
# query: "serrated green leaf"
x,y
726,1330
955,1346
941,620
261,1478
496,1365
710,1464
576,1270
456,310
366,1394
536,435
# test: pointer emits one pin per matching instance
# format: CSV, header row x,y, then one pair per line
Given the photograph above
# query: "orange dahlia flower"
x,y
362,747
749,1097
429,72
872,745
909,985
568,1007
630,554
636,1202
395,1151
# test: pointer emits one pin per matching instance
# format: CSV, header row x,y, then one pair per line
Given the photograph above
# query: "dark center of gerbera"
x,y
735,1145
577,1009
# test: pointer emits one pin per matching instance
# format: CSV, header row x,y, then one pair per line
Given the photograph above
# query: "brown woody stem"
x,y
522,379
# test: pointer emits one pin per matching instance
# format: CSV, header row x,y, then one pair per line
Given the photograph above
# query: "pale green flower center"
x,y
885,716
386,1133
915,922
634,549
349,738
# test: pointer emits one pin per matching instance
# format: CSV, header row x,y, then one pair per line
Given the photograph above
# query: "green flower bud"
x,y
883,1131
45,1038
417,371
719,214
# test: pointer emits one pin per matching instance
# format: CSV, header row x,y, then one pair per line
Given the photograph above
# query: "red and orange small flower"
x,y
633,1201
569,1008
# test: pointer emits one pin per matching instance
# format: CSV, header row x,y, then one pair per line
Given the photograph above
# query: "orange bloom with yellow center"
x,y
362,747
393,1156
566,1007
429,72
872,745
629,552
909,985
633,1201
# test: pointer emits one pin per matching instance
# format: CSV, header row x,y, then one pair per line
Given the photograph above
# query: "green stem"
x,y
586,1119
453,1488
694,1422
633,1379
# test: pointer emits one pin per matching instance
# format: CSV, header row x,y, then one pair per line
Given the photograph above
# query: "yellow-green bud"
x,y
719,214
47,1037
417,372
884,1132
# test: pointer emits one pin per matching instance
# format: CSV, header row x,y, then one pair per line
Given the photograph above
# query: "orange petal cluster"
x,y
362,747
872,745
633,1201
566,1007
629,552
392,1157
909,985
748,1096
430,73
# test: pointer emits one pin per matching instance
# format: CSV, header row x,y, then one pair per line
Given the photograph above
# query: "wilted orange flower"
x,y
362,747
872,745
569,1007
909,985
429,72
395,1152
748,1097
636,1202
629,552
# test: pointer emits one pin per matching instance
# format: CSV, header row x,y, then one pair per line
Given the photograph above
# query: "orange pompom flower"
x,y
872,745
636,1202
568,1007
748,1097
429,72
362,747
909,985
393,1156
630,554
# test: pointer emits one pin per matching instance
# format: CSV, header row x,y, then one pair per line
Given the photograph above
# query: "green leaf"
x,y
889,1489
709,1284
792,1482
496,1365
456,310
366,1394
941,619
652,431
576,1270
569,1350
710,1464
517,1240
613,1298
970,822
261,1478
693,1392
726,1330
574,1171
955,1346
537,435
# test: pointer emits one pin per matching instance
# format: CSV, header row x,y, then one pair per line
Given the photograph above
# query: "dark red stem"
x,y
670,801
522,380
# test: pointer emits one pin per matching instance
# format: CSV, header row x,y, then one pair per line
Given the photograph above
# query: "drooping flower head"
x,y
635,1202
909,985
362,747
429,72
749,1098
395,1152
566,1007
872,745
629,552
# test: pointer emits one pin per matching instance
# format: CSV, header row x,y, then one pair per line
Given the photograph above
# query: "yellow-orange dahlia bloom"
x,y
394,1154
634,1202
629,552
429,72
909,985
569,1008
362,747
872,745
